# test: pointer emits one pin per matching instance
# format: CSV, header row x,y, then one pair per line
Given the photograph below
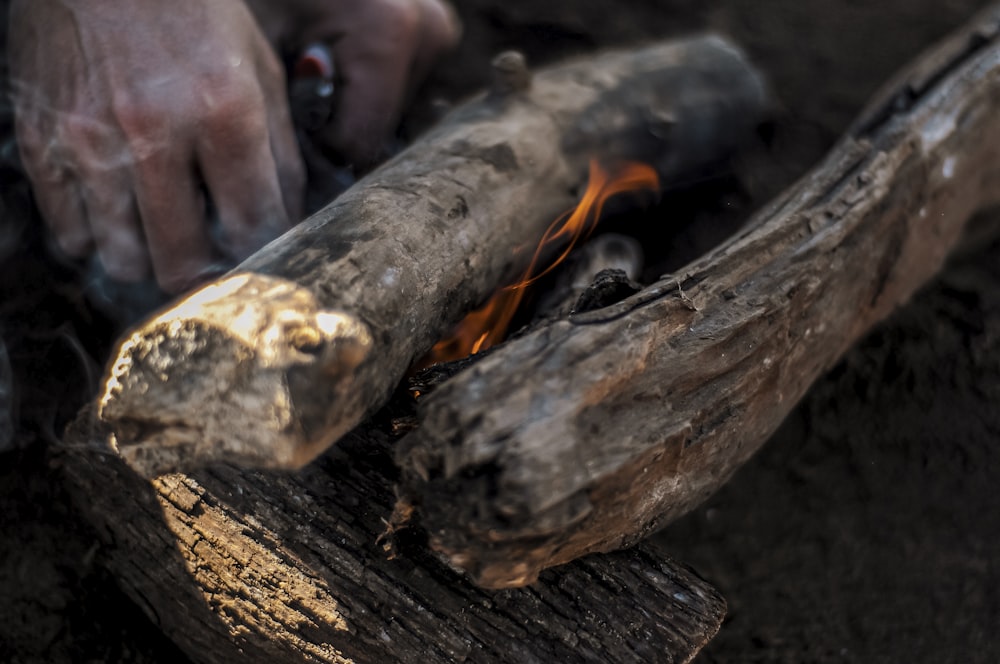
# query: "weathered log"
x,y
588,434
278,567
272,364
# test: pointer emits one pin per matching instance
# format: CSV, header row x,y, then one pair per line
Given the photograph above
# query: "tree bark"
x,y
243,566
272,364
590,433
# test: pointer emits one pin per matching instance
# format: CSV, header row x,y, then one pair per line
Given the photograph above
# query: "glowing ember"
x,y
488,325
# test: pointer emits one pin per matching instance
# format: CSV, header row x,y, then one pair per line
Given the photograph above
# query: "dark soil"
x,y
868,528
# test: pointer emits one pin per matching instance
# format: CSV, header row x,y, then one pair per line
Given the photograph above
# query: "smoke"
x,y
106,148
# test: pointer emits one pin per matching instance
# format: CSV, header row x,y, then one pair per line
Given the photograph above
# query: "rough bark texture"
x,y
314,331
275,567
590,433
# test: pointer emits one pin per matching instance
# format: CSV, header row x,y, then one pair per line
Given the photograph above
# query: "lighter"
x,y
311,88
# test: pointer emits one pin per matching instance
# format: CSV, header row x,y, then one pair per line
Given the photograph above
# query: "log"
x,y
272,364
589,434
253,566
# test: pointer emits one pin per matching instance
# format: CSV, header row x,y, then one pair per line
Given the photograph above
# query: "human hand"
x,y
382,49
129,113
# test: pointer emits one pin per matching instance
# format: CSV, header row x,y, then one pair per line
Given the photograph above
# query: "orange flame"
x,y
488,325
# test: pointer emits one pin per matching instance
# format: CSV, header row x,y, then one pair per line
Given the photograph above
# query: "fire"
x,y
488,325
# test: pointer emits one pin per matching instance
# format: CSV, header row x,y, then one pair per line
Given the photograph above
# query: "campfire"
x,y
267,407
407,252
487,326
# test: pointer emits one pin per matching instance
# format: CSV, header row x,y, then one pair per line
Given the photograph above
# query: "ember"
x,y
488,325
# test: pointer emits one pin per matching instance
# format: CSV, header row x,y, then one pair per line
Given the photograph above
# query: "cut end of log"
x,y
264,348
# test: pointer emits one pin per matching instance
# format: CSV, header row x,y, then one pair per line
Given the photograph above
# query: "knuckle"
x,y
442,26
74,242
132,111
141,120
271,67
236,125
231,101
32,150
79,128
400,18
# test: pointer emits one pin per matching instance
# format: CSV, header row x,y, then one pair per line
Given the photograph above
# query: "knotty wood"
x,y
312,333
590,433
301,567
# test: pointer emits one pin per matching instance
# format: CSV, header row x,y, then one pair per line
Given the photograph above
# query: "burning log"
x,y
635,413
272,364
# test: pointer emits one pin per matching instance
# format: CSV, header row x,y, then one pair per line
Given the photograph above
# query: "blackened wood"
x,y
618,258
278,360
589,434
240,567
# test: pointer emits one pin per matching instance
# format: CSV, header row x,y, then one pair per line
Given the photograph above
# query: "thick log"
x,y
272,364
590,433
240,567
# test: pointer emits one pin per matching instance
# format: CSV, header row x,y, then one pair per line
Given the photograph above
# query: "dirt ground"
x,y
866,530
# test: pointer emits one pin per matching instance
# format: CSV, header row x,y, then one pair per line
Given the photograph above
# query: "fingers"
x,y
129,131
113,218
440,30
283,142
374,63
61,208
380,56
85,203
288,161
53,185
241,172
172,209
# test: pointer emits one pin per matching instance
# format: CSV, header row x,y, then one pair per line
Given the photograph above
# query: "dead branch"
x,y
271,365
588,434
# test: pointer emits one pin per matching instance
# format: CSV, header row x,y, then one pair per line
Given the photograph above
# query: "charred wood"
x,y
590,433
246,566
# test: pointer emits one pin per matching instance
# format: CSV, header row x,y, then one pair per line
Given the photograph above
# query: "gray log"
x,y
589,434
241,567
272,364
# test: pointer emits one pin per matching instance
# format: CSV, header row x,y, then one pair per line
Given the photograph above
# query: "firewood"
x,y
246,566
272,364
590,433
